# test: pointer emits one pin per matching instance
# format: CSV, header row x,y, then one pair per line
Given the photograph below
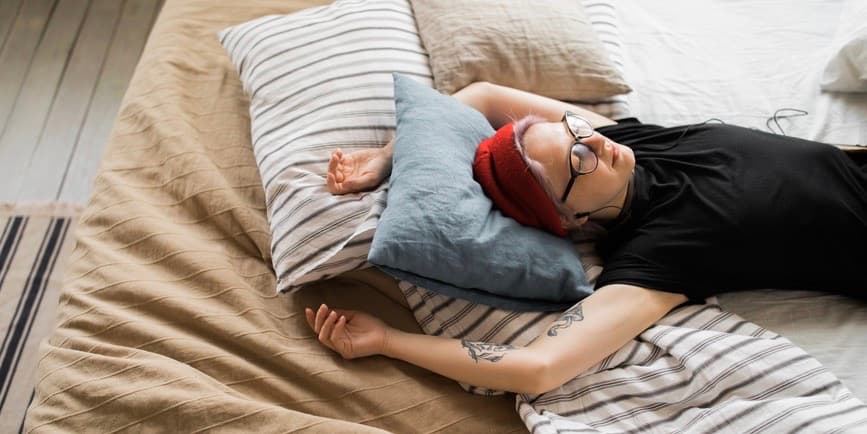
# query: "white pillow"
x,y
847,69
317,80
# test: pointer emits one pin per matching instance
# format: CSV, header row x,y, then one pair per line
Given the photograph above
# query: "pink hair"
x,y
536,168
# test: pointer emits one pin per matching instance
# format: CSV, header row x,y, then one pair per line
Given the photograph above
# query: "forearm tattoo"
x,y
482,350
574,314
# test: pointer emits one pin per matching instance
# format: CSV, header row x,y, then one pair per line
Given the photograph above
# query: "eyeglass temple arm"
x,y
568,188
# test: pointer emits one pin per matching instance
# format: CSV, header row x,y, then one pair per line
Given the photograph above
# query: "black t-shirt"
x,y
730,208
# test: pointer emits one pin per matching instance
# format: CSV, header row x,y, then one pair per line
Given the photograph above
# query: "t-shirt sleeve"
x,y
630,265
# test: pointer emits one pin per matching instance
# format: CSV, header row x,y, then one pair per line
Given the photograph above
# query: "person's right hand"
x,y
357,171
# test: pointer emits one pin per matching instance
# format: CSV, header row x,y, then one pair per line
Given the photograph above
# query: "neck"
x,y
619,207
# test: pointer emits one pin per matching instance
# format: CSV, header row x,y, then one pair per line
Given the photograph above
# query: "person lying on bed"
x,y
690,212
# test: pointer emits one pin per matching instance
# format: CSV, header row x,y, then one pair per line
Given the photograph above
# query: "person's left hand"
x,y
351,333
357,171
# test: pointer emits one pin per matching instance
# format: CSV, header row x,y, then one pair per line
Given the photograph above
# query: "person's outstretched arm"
x,y
502,104
580,338
365,169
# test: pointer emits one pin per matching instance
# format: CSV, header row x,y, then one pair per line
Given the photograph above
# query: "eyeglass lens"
x,y
579,127
587,160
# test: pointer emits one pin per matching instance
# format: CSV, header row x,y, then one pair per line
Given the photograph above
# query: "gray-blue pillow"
x,y
441,232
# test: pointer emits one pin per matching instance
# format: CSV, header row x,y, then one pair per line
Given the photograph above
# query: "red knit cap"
x,y
507,180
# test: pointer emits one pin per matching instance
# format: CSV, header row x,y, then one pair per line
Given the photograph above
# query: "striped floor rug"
x,y
35,242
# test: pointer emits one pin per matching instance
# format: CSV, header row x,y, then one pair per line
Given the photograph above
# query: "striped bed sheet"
x,y
699,369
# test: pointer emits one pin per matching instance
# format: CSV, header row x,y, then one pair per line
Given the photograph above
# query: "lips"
x,y
615,153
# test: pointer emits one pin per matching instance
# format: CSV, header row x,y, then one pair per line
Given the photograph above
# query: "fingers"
x,y
334,161
346,313
327,327
310,318
335,175
339,170
331,183
320,317
339,328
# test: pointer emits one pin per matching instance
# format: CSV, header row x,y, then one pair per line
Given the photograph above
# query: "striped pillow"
x,y
317,80
440,315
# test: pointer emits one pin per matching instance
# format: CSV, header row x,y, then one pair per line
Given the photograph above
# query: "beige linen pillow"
x,y
547,47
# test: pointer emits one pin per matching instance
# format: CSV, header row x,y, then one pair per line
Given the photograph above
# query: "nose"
x,y
596,142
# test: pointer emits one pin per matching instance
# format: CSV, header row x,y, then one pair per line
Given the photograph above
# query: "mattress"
x,y
168,317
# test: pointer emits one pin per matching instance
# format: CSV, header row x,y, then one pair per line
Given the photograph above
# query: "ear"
x,y
574,225
581,221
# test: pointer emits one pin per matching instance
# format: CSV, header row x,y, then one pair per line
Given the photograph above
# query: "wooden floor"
x,y
64,68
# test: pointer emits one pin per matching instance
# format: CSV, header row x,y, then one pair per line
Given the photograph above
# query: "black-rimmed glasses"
x,y
579,128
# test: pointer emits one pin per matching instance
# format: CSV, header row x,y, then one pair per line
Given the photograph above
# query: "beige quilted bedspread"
x,y
168,322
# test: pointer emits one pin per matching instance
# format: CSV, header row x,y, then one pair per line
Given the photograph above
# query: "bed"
x,y
168,319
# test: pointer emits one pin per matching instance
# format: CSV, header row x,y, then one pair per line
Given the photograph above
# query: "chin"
x,y
626,151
